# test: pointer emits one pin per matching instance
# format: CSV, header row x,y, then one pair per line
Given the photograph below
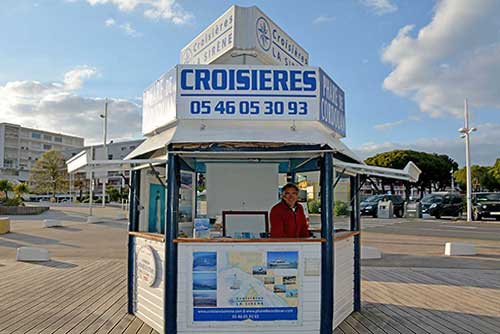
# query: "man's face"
x,y
290,196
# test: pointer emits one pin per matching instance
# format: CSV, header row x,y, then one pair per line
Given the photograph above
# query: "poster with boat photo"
x,y
249,285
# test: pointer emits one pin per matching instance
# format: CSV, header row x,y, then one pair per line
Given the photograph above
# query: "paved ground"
x,y
413,289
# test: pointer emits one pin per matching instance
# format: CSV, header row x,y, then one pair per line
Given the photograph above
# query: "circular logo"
x,y
186,57
146,265
263,31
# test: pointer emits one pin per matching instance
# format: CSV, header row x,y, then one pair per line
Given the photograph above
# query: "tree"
x,y
113,193
482,178
49,174
495,170
435,167
80,183
5,187
20,189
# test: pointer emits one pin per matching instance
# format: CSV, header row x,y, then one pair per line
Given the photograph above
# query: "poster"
x,y
238,286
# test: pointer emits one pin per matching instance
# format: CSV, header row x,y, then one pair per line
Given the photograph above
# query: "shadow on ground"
x,y
14,239
54,264
489,262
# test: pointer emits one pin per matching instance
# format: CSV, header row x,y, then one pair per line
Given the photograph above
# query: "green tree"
x,y
80,183
482,178
435,167
49,174
5,187
20,189
113,193
495,170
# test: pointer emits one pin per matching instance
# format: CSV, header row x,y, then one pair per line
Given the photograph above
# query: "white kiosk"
x,y
242,109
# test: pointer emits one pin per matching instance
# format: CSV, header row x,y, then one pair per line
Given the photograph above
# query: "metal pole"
x,y
327,247
355,226
105,148
170,289
91,192
467,163
133,224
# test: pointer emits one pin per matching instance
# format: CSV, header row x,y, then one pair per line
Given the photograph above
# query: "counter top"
x,y
160,238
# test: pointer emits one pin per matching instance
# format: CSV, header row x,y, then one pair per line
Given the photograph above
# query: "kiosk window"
x,y
245,224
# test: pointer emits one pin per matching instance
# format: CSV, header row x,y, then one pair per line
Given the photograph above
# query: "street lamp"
x,y
465,133
105,147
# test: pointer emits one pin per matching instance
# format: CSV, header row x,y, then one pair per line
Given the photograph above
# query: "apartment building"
x,y
20,148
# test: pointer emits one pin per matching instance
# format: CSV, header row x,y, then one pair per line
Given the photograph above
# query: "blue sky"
x,y
405,66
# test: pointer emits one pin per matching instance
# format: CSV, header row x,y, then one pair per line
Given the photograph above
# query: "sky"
x,y
405,66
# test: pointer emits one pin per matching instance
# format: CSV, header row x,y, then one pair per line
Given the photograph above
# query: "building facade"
x,y
20,148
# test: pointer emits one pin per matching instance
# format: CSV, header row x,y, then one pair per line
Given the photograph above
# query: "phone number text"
x,y
248,107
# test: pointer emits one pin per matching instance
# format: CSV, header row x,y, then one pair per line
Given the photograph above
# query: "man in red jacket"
x,y
287,217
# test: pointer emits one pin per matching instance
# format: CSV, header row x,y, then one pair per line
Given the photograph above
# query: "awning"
x,y
196,131
410,173
82,163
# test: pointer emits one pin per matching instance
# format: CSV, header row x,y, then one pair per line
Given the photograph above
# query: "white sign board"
x,y
245,30
159,101
244,92
247,92
146,265
213,42
276,44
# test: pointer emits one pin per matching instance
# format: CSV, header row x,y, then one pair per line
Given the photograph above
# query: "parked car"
x,y
486,205
370,205
442,204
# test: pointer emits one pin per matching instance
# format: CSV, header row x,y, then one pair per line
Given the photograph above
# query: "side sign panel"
x,y
332,104
159,101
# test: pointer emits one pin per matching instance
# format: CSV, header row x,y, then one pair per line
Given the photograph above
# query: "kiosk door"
x,y
156,208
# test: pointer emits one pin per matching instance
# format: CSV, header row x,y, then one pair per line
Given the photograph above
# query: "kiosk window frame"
x,y
242,213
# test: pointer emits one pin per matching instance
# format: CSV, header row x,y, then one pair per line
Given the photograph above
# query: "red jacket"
x,y
287,223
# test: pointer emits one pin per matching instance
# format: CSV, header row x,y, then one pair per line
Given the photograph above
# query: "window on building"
x,y
47,146
47,137
123,148
110,156
132,147
58,139
36,135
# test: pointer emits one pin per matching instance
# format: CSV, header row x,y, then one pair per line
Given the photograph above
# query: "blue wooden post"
x,y
355,226
327,248
133,223
172,198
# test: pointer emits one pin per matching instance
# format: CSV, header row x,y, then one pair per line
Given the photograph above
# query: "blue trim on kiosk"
x,y
327,248
170,270
355,226
132,227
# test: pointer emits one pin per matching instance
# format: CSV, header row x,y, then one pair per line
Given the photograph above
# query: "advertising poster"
x,y
238,286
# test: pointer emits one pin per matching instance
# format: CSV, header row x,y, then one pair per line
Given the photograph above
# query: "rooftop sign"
x,y
242,92
240,32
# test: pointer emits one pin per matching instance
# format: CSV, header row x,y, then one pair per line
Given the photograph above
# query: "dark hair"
x,y
289,185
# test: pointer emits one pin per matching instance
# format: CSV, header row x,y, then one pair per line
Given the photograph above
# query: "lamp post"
x,y
105,148
452,180
465,133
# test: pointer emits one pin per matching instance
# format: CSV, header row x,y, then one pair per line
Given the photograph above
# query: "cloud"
x,y
109,22
323,19
125,27
380,7
55,107
457,55
74,79
484,147
388,125
168,10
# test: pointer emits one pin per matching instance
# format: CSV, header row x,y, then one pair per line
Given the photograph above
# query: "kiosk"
x,y
243,110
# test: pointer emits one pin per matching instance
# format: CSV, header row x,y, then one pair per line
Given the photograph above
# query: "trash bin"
x,y
413,210
385,210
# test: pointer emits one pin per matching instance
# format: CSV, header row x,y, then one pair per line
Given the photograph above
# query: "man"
x,y
287,217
